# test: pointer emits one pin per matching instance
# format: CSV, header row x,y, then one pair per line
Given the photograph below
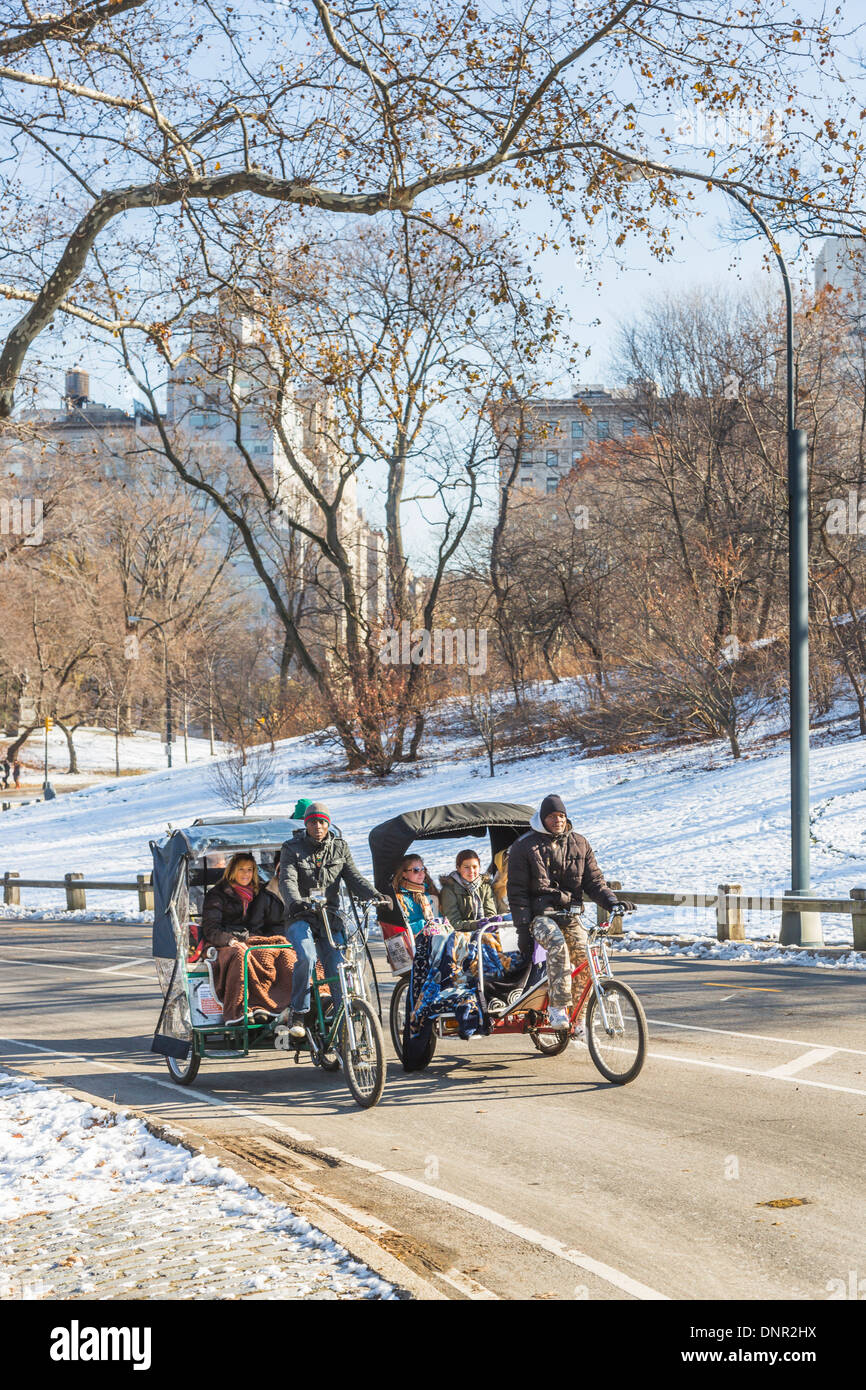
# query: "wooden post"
x,y
11,891
729,918
74,896
601,913
145,892
858,919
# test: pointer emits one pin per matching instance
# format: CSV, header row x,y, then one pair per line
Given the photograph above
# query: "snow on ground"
x,y
140,752
681,819
60,1155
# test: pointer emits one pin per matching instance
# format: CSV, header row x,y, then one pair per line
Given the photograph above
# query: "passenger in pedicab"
x,y
268,911
316,858
232,919
467,895
415,893
550,869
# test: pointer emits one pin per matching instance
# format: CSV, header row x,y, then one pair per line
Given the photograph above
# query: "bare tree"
x,y
362,111
243,779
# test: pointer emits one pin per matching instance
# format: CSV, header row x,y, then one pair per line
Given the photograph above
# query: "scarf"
x,y
245,894
474,894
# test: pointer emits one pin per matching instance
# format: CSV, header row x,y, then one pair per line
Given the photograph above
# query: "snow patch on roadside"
x,y
737,952
60,1154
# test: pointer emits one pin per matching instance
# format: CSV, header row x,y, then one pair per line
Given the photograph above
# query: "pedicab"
x,y
191,1026
516,1001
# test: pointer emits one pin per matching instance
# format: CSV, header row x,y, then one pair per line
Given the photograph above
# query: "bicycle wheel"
x,y
364,1064
550,1044
618,1054
184,1072
397,1013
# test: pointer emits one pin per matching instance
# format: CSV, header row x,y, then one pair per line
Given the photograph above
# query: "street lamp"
x,y
140,618
797,928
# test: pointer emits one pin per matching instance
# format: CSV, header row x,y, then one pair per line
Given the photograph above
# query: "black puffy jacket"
x,y
551,873
222,916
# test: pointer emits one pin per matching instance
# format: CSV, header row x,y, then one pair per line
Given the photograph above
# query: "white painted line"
x,y
808,1059
38,965
752,1071
756,1037
527,1233
532,1237
470,1287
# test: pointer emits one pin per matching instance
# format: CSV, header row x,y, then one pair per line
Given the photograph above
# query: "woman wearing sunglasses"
x,y
415,893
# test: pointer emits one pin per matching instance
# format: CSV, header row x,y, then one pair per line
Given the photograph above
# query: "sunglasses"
x,y
416,869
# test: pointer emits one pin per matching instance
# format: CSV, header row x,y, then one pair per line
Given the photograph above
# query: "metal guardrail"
x,y
730,902
76,887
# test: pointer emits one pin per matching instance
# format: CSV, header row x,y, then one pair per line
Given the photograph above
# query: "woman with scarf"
x,y
467,897
231,922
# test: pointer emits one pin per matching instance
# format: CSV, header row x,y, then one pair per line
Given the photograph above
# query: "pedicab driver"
x,y
316,858
550,869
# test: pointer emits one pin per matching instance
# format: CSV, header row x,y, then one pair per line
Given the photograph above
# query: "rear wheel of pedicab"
x,y
397,1018
364,1064
619,1053
185,1071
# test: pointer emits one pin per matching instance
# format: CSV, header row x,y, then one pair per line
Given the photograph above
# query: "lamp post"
x,y
797,928
140,618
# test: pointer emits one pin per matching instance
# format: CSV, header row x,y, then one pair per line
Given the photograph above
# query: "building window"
x,y
628,427
577,429
552,458
602,429
575,458
552,484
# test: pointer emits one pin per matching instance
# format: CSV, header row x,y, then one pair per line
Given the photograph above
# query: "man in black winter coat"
x,y
316,859
550,869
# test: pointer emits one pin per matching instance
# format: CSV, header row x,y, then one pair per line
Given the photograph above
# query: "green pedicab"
x,y
191,1028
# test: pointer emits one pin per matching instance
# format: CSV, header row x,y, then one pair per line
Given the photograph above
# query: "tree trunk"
x,y
70,748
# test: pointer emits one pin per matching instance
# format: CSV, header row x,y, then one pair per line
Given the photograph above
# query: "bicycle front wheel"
x,y
364,1064
617,1048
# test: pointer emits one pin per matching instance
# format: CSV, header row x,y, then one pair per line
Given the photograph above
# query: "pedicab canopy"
x,y
503,821
171,860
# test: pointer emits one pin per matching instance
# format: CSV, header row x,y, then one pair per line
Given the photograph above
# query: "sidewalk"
x,y
92,1205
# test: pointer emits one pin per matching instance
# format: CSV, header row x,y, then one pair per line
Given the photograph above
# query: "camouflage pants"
x,y
566,951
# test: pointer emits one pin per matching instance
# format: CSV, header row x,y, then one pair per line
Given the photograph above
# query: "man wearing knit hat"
x,y
316,859
549,871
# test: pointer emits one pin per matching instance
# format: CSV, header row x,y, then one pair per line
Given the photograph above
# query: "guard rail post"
x,y
145,892
11,891
729,916
858,919
75,897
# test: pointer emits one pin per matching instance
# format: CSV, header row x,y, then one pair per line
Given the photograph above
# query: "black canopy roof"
x,y
502,820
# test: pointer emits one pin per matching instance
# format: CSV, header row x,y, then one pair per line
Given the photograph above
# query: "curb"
x,y
346,1229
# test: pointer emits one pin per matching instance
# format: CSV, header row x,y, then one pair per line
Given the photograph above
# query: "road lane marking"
x,y
756,989
602,1271
38,965
807,1059
463,1284
752,1071
755,1037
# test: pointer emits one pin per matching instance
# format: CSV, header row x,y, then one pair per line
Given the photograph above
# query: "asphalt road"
x,y
502,1173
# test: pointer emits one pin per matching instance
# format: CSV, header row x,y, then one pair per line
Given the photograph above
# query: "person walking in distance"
x,y
550,870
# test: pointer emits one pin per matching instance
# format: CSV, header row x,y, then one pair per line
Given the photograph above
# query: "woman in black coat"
x,y
236,915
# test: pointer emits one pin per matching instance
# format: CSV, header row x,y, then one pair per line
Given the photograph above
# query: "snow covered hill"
x,y
684,819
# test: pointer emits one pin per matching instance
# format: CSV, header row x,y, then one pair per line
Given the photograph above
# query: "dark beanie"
x,y
317,810
551,804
